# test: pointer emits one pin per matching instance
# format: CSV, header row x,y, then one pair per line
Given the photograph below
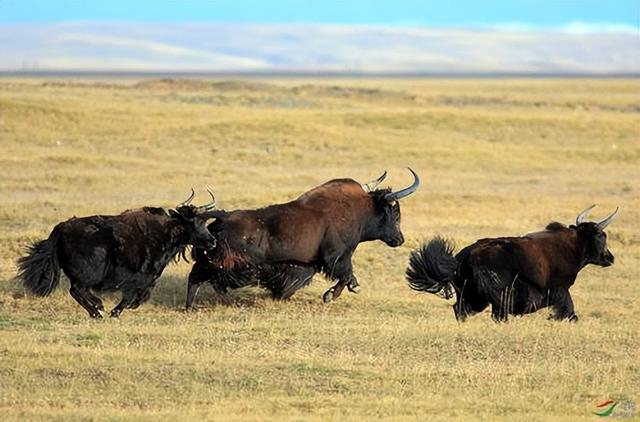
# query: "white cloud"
x,y
593,28
161,49
575,27
575,47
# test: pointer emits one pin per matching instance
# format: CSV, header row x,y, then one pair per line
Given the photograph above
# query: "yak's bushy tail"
x,y
39,270
432,268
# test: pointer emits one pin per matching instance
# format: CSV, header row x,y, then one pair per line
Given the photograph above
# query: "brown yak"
x,y
282,246
515,275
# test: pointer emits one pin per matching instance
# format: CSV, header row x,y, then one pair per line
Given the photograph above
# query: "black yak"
x,y
125,252
515,275
282,246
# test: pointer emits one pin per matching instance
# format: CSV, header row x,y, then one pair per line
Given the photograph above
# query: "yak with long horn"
x,y
282,246
513,275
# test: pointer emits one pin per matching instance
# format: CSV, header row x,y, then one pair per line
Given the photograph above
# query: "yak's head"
x,y
594,238
386,224
194,220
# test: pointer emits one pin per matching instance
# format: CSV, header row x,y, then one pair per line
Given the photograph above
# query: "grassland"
x,y
497,157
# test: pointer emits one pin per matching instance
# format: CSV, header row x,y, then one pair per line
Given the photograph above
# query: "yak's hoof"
x,y
328,296
573,318
96,315
353,285
115,313
354,288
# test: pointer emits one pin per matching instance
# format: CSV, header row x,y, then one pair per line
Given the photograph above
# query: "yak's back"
x,y
533,256
494,252
336,190
143,224
339,200
128,228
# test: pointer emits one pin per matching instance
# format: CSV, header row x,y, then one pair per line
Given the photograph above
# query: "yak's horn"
x,y
607,220
188,200
583,214
373,184
394,196
211,205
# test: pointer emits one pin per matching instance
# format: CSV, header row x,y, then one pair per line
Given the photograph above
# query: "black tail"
x,y
432,268
39,269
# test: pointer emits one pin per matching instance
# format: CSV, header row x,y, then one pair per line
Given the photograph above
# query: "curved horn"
x,y
211,205
370,186
188,200
607,220
394,196
583,214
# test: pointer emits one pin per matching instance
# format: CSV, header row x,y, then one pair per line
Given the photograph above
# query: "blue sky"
x,y
438,13
517,36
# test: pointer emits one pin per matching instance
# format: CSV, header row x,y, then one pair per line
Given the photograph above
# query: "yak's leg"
x,y
192,292
291,279
221,291
563,307
498,290
86,293
96,300
342,270
462,309
501,308
197,276
334,292
468,304
498,313
141,298
80,295
196,279
133,301
128,298
354,286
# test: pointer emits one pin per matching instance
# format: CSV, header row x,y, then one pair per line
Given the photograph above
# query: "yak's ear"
x,y
173,213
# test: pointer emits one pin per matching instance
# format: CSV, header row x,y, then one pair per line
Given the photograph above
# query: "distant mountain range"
x,y
318,49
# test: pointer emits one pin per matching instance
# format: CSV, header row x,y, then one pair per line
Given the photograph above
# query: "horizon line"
x,y
35,73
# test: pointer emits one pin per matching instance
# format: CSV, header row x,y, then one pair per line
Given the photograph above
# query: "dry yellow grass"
x,y
497,157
